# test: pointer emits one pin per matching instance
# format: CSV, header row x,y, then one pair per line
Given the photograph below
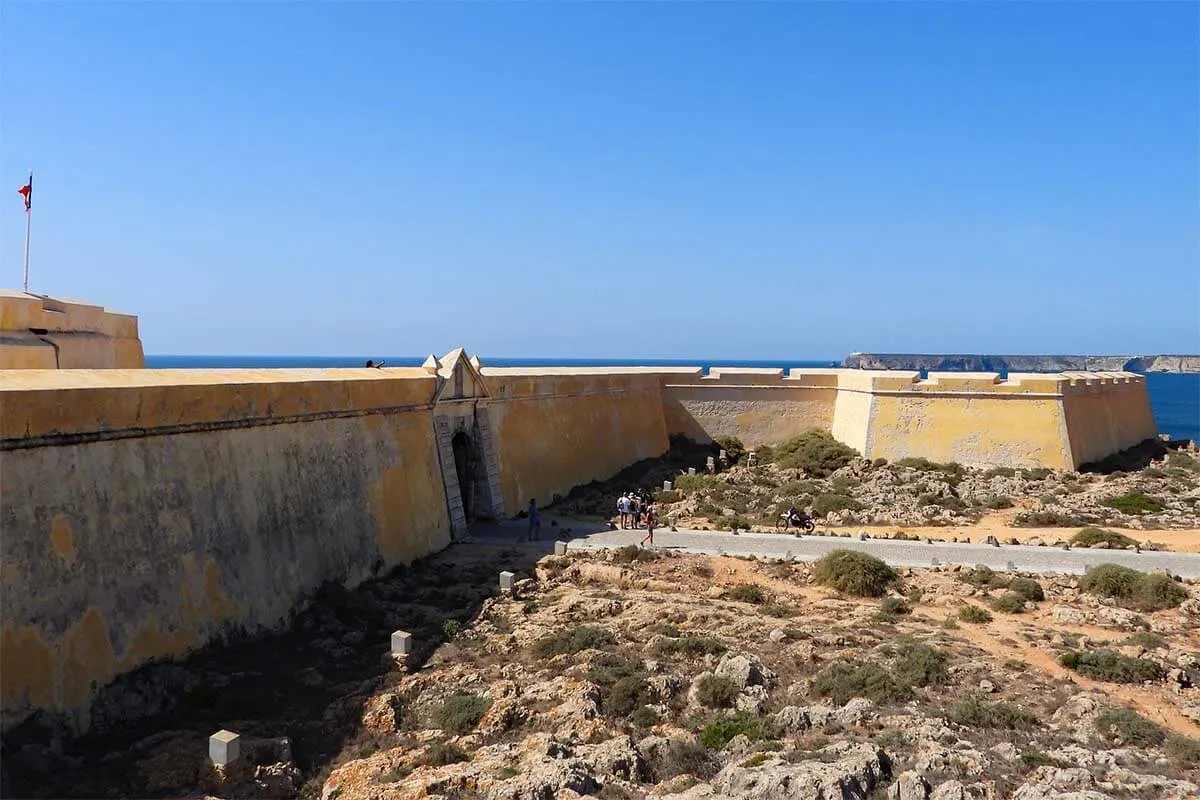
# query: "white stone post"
x,y
224,747
402,643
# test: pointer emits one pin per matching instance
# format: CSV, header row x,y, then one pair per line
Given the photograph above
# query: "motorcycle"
x,y
801,523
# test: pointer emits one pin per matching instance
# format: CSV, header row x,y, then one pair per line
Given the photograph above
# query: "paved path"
x,y
895,552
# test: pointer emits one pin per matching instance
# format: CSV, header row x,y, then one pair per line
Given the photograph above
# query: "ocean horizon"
x,y
1174,397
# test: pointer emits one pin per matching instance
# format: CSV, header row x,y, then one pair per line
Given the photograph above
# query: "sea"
x,y
1174,398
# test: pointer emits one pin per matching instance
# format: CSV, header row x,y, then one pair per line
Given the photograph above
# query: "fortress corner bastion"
x,y
146,513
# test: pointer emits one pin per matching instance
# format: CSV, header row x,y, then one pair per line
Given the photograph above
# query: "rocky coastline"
x,y
1043,363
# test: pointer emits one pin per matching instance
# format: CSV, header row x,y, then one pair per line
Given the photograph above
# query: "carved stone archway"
x,y
465,442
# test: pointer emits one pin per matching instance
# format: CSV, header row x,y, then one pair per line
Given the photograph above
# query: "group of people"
x,y
635,511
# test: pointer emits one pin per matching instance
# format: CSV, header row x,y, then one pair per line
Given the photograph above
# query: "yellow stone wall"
x,y
1027,420
52,333
1106,413
757,406
146,513
556,429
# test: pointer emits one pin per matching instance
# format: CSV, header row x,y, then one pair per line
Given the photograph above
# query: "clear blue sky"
x,y
686,179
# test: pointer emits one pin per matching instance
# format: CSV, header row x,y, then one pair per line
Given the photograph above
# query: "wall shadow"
x,y
308,682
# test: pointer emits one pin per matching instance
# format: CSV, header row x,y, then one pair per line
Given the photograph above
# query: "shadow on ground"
x,y
150,728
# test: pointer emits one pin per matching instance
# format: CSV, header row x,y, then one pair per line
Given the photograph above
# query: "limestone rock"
x,y
950,790
744,669
909,786
846,771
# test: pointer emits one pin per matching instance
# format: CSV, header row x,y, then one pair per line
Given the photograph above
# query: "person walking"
x,y
649,537
535,521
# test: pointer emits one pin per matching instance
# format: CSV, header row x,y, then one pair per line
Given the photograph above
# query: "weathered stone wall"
x,y
558,428
971,418
1106,413
756,405
147,513
51,333
1026,420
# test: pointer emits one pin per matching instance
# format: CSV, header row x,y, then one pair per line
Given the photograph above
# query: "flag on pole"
x,y
27,192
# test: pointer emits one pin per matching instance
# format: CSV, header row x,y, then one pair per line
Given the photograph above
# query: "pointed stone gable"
x,y
431,364
460,379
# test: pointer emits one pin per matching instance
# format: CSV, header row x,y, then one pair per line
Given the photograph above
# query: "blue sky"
x,y
685,179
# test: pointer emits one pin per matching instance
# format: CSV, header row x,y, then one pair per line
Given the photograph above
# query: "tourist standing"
x,y
535,521
622,510
649,537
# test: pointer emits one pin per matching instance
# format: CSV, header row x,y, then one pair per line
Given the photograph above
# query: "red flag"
x,y
27,192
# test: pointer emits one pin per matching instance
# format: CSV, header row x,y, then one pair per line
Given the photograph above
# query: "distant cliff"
x,y
974,363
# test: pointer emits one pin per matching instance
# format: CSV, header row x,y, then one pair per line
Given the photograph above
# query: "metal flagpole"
x,y
28,216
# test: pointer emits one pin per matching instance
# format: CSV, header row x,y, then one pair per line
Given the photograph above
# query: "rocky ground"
x,y
632,674
701,677
840,489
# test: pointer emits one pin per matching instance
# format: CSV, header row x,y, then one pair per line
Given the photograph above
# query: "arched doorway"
x,y
464,466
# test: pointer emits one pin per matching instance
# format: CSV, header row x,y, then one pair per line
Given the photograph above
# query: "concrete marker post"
x,y
507,582
224,748
402,643
560,548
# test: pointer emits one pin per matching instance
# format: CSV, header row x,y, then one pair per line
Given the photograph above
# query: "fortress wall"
x,y
1106,412
147,513
976,419
758,406
39,332
559,428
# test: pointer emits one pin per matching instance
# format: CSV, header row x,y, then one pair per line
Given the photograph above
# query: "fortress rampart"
x,y
1058,420
145,513
51,333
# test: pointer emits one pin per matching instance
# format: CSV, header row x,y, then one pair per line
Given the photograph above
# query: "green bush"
x,y
1146,639
984,578
1138,590
1110,580
681,757
997,501
1127,727
1133,503
842,681
758,759
1107,665
736,522
746,593
798,489
439,754
632,554
622,683
815,451
854,573
690,646
1183,751
970,613
778,610
1045,519
716,691
1027,588
716,735
689,484
644,717
921,665
663,629
844,484
1035,758
879,462
458,713
894,607
977,713
571,641
1009,603
450,628
996,472
1155,592
665,498
1089,537
733,447
824,504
